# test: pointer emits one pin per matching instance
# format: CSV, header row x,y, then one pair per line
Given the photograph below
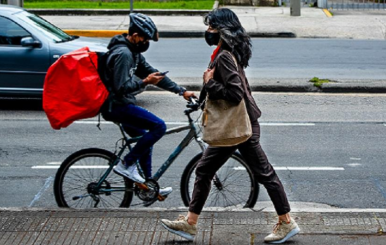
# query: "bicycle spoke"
x,y
84,172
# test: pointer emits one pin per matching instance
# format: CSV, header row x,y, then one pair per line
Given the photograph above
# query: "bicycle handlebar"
x,y
193,105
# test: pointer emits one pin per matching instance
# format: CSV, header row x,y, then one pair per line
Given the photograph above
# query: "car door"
x,y
22,69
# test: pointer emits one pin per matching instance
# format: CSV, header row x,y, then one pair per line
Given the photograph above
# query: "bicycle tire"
x,y
86,167
235,167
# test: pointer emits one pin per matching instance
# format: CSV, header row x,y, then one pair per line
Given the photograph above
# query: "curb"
x,y
167,12
294,88
185,209
173,34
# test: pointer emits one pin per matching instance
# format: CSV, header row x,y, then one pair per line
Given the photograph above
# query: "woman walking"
x,y
225,80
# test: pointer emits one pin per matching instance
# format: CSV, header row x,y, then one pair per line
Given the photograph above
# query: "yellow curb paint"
x,y
95,33
327,13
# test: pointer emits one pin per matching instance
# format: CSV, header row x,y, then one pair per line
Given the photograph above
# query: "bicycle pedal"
x,y
161,198
142,186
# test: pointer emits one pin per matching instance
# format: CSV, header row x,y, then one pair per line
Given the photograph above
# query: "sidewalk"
x,y
142,226
259,22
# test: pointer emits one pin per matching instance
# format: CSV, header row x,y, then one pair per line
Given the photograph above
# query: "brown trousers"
x,y
253,154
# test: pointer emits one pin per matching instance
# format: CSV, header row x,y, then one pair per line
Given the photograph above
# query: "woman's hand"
x,y
208,74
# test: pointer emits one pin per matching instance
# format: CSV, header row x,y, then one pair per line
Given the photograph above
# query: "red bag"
x,y
73,89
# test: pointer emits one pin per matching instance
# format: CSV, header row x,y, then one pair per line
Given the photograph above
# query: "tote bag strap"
x,y
237,67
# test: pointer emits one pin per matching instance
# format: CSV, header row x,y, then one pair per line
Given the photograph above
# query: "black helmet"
x,y
145,24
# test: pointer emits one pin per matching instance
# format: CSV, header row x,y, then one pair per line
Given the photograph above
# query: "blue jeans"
x,y
139,122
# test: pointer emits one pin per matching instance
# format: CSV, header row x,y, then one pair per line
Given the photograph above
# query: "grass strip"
x,y
318,82
199,5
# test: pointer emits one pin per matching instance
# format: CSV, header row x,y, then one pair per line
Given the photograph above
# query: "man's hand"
x,y
153,78
208,74
188,94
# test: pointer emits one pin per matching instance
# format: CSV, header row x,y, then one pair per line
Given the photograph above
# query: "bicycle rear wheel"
x,y
77,178
233,186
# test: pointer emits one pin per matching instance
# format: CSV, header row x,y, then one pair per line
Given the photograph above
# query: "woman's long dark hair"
x,y
233,35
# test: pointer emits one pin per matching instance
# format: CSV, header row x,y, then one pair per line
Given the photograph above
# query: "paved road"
x,y
279,58
344,133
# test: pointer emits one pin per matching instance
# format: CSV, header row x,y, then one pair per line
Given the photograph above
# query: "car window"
x,y
47,28
10,32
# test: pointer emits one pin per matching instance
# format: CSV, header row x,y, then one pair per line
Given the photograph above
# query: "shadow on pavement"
x,y
30,104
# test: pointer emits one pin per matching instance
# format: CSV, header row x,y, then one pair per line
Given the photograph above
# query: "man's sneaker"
x,y
165,191
130,172
180,227
282,232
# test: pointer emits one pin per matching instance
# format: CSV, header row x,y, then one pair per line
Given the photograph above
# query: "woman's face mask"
x,y
212,38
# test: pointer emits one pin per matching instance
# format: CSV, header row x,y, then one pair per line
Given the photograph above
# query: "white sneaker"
x,y
130,172
282,232
165,191
180,227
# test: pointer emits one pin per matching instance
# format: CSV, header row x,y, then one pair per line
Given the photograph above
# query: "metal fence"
x,y
342,4
357,4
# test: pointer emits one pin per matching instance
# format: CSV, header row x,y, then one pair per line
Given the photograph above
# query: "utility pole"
x,y
131,6
295,7
19,3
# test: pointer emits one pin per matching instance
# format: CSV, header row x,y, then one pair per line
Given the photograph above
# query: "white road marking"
x,y
310,168
355,158
42,190
287,124
73,167
354,164
301,168
235,168
92,122
185,123
54,163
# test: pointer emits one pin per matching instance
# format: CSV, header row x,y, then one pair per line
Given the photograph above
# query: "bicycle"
x,y
86,179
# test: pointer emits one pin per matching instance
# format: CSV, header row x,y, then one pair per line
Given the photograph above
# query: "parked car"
x,y
28,46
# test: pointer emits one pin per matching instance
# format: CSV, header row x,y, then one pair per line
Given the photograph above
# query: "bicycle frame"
x,y
192,134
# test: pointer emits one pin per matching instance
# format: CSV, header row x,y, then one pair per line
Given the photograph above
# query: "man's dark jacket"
x,y
121,64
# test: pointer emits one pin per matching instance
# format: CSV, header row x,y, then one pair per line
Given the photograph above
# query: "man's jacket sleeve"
x,y
144,69
123,83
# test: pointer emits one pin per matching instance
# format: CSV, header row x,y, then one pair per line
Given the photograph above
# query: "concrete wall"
x,y
250,2
238,2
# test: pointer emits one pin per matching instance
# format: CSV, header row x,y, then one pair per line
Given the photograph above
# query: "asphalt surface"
x,y
343,132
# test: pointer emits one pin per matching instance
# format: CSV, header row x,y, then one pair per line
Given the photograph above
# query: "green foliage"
x,y
103,4
318,82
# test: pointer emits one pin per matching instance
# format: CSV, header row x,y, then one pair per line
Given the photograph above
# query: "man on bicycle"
x,y
128,73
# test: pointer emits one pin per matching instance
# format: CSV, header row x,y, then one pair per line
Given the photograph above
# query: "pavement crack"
x,y
291,185
3,153
121,24
383,27
211,230
380,229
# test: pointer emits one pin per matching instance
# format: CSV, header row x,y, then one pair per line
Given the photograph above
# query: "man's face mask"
x,y
212,38
142,46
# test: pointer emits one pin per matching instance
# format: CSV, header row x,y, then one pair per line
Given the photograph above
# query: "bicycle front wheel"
x,y
76,182
233,185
